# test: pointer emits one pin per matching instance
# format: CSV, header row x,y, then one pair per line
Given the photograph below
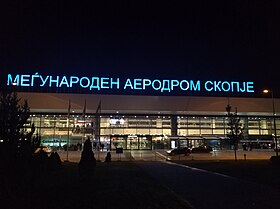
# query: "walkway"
x,y
154,155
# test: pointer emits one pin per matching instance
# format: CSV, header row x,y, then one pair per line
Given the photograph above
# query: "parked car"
x,y
46,149
178,151
201,149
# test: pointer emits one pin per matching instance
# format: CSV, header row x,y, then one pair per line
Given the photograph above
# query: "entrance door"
x,y
145,142
118,142
132,142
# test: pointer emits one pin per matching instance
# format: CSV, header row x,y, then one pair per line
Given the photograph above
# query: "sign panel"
x,y
98,85
119,150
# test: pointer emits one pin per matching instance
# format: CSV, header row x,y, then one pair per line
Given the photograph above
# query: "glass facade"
x,y
146,132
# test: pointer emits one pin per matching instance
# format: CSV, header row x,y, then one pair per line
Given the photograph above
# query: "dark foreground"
x,y
261,172
136,184
212,190
113,185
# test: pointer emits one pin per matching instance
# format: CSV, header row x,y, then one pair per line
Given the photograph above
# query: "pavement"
x,y
155,155
203,189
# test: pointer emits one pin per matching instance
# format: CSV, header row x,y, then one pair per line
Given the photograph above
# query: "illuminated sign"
x,y
97,84
114,121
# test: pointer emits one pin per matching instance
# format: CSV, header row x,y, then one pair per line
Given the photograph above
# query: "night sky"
x,y
207,40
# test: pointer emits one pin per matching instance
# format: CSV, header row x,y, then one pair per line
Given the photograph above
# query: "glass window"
x,y
206,122
194,131
182,132
219,123
117,131
193,122
206,131
118,142
218,131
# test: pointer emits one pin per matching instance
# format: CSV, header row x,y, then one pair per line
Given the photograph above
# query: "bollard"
x,y
244,156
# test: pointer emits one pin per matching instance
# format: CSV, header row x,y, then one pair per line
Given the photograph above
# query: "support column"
x,y
174,126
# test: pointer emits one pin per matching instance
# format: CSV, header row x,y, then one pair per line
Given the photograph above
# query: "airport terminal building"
x,y
145,122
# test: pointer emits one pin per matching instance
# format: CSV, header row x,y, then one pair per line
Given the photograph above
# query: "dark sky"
x,y
210,40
